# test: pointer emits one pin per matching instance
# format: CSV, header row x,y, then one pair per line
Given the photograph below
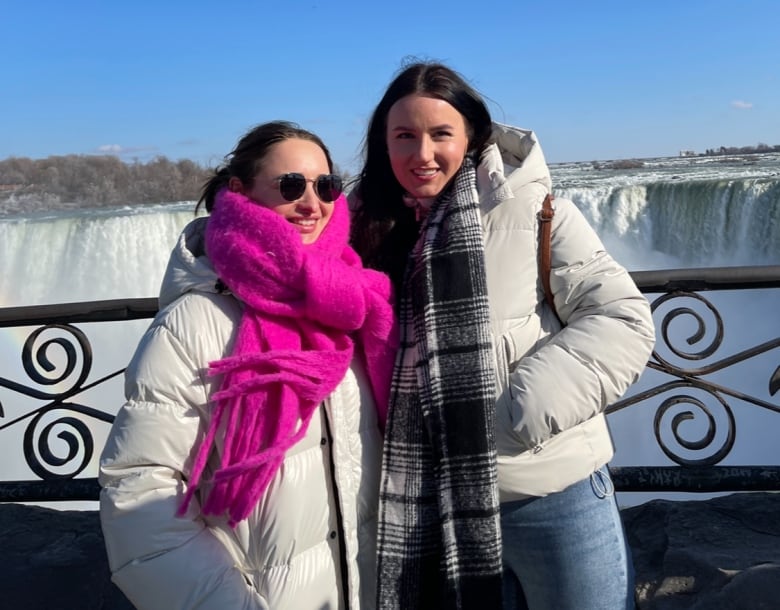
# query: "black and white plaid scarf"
x,y
439,537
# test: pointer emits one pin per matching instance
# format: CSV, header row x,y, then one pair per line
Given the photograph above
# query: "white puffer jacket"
x,y
553,383
311,537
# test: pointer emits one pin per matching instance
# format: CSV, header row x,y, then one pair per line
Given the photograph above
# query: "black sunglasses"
x,y
293,185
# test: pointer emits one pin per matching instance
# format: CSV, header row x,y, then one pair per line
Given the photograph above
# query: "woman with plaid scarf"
x,y
494,481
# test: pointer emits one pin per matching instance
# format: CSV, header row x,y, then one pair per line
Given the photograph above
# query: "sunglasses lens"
x,y
329,187
292,186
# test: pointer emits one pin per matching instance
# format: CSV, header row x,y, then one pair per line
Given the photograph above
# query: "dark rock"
x,y
54,560
699,555
718,553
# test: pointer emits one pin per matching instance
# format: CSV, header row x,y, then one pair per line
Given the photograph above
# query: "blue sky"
x,y
595,80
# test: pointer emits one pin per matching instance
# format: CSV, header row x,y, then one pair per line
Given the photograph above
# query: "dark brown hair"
x,y
245,160
383,229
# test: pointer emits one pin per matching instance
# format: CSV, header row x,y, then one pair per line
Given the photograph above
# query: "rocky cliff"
x,y
707,554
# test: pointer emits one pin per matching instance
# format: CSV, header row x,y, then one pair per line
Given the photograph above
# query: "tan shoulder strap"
x,y
545,256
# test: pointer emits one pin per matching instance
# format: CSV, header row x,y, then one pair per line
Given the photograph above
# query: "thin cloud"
x,y
740,105
110,149
122,151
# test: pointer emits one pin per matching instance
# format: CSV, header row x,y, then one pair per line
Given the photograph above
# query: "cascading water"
x,y
686,224
87,255
727,222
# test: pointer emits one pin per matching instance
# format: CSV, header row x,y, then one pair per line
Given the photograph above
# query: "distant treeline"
x,y
92,181
79,181
742,150
89,181
723,151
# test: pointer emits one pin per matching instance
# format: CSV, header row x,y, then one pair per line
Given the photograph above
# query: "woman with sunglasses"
x,y
495,430
242,472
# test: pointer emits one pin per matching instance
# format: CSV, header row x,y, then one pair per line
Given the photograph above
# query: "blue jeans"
x,y
567,551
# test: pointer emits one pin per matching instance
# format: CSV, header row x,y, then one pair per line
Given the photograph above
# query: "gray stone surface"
x,y
707,554
54,560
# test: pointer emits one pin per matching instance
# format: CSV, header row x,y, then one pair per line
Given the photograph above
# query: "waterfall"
x,y
109,254
701,223
87,254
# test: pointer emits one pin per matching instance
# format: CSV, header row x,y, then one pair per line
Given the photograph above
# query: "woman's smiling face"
x,y
308,214
427,140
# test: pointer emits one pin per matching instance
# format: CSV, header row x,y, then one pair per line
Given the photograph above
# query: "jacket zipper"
x,y
339,517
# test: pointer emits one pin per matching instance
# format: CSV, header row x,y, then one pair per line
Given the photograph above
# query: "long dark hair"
x,y
245,160
383,229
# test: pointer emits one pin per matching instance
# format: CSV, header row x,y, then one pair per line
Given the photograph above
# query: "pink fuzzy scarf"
x,y
306,306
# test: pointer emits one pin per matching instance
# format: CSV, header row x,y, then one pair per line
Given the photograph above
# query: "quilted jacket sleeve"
x,y
158,560
604,346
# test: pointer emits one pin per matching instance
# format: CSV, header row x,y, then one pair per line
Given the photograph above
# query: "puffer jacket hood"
x,y
514,160
188,267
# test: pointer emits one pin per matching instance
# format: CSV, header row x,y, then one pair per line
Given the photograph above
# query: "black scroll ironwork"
x,y
685,395
688,394
60,415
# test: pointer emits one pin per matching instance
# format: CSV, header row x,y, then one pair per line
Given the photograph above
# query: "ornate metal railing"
x,y
44,372
679,297
679,391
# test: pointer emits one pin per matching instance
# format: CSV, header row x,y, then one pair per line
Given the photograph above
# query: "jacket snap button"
x,y
323,441
332,535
